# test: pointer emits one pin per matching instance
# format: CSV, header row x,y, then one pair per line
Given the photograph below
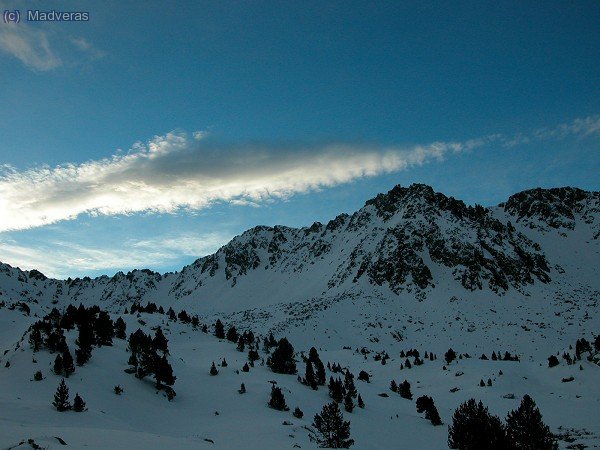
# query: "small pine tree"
x,y
282,360
361,403
348,403
298,413
61,397
58,365
432,414
213,369
552,361
35,339
118,390
277,400
526,429
67,363
242,389
120,328
160,342
38,376
232,334
78,403
450,356
164,373
330,429
219,329
404,390
241,345
309,375
363,376
246,368
393,386
349,386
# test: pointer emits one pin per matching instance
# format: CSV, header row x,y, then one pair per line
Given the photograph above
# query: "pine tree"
x,y
232,334
277,400
35,339
164,373
282,360
219,329
104,329
241,345
309,376
61,397
473,428
450,356
526,429
242,389
336,390
330,429
423,403
432,414
349,386
348,403
58,365
298,413
246,368
160,342
120,328
213,369
78,404
318,366
67,363
404,390
38,376
360,402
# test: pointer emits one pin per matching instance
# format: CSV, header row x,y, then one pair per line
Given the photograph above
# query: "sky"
x,y
154,132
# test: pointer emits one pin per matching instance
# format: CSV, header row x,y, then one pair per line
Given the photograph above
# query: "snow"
x,y
294,296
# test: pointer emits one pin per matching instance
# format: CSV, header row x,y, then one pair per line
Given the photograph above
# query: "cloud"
x,y
85,47
581,127
30,46
69,259
175,172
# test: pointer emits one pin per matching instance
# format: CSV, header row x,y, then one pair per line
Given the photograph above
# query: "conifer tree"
x,y
61,397
58,365
349,386
473,428
232,334
219,329
526,430
330,429
104,329
309,376
404,390
67,363
241,345
213,369
164,373
360,402
393,386
160,342
432,414
282,360
277,400
120,328
298,413
78,403
336,390
35,339
450,356
348,403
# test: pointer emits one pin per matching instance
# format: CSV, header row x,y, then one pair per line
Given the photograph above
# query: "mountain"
x,y
411,269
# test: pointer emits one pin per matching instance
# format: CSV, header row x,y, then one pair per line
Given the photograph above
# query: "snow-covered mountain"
x,y
411,269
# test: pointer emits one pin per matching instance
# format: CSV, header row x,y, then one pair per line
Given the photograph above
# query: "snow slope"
x,y
411,269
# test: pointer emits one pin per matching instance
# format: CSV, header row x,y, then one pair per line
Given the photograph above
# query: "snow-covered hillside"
x,y
411,269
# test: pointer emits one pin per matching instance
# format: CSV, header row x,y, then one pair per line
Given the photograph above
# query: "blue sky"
x,y
156,131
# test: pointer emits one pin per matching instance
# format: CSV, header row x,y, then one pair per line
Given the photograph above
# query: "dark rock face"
x,y
557,208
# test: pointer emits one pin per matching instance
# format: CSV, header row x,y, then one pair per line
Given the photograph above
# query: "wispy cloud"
x,y
30,46
174,172
70,259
